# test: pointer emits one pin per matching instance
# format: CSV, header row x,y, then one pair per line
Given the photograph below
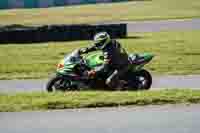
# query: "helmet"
x,y
101,39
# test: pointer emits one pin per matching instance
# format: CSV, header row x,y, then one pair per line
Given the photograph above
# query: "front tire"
x,y
58,83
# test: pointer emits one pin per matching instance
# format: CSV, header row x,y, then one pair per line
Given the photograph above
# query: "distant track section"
x,y
163,25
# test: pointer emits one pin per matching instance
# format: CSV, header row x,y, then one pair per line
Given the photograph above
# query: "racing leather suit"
x,y
115,58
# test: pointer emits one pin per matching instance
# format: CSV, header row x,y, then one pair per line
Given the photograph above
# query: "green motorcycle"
x,y
70,74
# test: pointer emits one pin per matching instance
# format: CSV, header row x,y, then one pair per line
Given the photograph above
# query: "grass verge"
x,y
85,99
176,53
126,11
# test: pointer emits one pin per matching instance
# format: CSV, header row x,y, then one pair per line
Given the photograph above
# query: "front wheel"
x,y
141,80
58,83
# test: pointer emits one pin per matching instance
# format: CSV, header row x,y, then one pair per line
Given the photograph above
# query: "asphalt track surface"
x,y
150,119
159,82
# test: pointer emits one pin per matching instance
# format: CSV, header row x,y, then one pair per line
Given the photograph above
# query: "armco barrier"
x,y
22,34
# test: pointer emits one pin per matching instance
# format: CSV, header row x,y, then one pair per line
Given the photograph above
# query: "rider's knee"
x,y
108,81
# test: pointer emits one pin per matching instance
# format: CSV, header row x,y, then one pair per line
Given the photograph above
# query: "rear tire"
x,y
141,80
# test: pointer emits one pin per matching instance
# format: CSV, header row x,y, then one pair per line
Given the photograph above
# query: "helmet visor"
x,y
100,44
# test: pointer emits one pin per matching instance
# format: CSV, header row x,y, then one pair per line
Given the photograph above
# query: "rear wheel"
x,y
58,83
141,80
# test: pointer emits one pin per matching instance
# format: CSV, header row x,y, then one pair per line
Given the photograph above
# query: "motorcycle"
x,y
70,74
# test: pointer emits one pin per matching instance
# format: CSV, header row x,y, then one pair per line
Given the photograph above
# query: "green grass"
x,y
85,99
176,53
140,10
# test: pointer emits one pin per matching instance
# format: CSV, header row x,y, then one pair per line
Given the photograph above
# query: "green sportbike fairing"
x,y
70,73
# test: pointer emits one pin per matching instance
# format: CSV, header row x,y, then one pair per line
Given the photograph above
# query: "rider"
x,y
115,57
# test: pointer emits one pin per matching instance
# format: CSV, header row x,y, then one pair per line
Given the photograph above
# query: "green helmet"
x,y
101,40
